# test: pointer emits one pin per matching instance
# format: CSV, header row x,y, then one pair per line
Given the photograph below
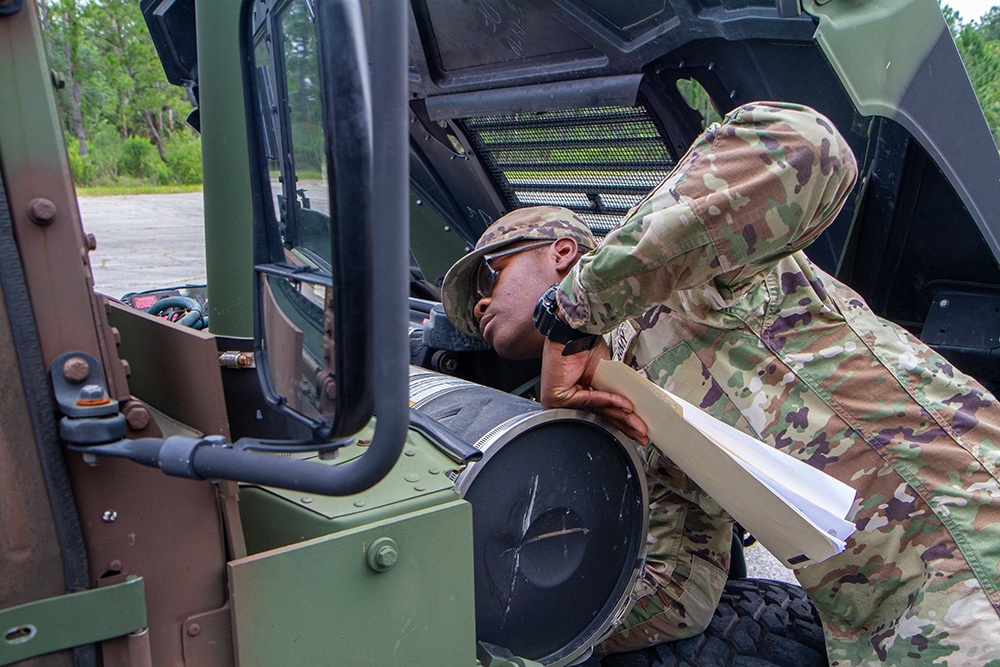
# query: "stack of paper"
x,y
796,511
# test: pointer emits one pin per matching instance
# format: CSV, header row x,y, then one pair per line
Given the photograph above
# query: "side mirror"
x,y
322,323
323,320
317,294
314,259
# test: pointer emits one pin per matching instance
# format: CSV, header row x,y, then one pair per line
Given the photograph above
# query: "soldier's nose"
x,y
480,309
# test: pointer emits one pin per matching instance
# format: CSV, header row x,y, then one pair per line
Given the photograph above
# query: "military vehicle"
x,y
352,150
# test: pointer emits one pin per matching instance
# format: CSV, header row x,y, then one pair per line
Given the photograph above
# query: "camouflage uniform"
x,y
712,299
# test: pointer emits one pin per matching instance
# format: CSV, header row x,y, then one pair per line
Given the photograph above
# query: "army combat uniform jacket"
x,y
704,289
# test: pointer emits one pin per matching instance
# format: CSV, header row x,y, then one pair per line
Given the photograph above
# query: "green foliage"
x,y
184,158
123,121
697,98
136,158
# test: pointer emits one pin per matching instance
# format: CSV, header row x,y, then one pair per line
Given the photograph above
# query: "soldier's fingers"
x,y
626,422
594,400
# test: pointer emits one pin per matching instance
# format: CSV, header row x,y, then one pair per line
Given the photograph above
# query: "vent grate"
x,y
598,162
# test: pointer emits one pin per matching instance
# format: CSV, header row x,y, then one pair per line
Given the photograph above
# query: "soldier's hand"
x,y
566,384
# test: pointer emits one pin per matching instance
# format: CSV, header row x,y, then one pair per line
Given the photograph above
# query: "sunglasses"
x,y
486,275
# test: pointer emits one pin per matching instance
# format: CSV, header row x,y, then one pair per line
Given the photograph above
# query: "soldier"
x,y
704,289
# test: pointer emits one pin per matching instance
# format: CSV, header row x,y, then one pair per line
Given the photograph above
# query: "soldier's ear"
x,y
565,251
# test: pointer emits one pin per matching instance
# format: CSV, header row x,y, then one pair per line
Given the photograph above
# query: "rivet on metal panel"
x,y
115,566
41,211
109,516
410,452
76,369
58,80
412,477
91,242
307,499
359,503
127,368
194,630
117,335
364,442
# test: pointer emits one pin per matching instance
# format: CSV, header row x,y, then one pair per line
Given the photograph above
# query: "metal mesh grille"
x,y
597,162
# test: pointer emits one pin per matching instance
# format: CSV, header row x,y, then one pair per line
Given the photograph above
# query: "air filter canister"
x,y
559,517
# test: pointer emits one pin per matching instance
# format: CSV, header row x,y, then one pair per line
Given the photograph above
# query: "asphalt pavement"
x,y
150,241
145,241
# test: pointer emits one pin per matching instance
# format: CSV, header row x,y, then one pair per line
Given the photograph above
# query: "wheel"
x,y
758,623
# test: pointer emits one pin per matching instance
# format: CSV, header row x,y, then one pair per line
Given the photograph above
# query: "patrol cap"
x,y
525,224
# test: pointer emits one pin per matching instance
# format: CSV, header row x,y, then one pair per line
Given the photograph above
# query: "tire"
x,y
758,623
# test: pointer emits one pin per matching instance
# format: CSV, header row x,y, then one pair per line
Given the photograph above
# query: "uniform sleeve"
x,y
750,191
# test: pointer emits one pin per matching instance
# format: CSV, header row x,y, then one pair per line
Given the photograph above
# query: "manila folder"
x,y
796,511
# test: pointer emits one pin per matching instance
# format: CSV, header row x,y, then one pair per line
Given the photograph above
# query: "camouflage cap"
x,y
525,224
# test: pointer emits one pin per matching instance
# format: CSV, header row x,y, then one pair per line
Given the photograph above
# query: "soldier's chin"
x,y
519,347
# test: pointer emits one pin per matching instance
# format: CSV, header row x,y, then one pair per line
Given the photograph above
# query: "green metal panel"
x,y
320,603
877,46
71,620
277,517
225,160
434,243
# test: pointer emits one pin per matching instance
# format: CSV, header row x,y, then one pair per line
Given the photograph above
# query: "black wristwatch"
x,y
549,325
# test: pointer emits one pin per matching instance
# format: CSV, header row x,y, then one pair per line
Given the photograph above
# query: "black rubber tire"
x,y
759,623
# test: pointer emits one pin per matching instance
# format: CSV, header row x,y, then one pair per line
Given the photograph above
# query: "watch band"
x,y
549,325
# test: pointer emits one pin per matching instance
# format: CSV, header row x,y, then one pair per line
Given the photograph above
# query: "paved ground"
x,y
147,241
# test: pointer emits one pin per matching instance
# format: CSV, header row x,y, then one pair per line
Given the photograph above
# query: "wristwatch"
x,y
549,325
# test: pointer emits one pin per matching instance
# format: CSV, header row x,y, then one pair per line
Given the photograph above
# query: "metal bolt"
x,y
91,242
41,211
364,442
115,566
194,630
91,392
382,554
307,499
76,369
91,459
137,416
109,516
944,303
126,368
386,557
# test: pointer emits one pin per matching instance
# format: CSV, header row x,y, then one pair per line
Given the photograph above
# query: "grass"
x,y
104,191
